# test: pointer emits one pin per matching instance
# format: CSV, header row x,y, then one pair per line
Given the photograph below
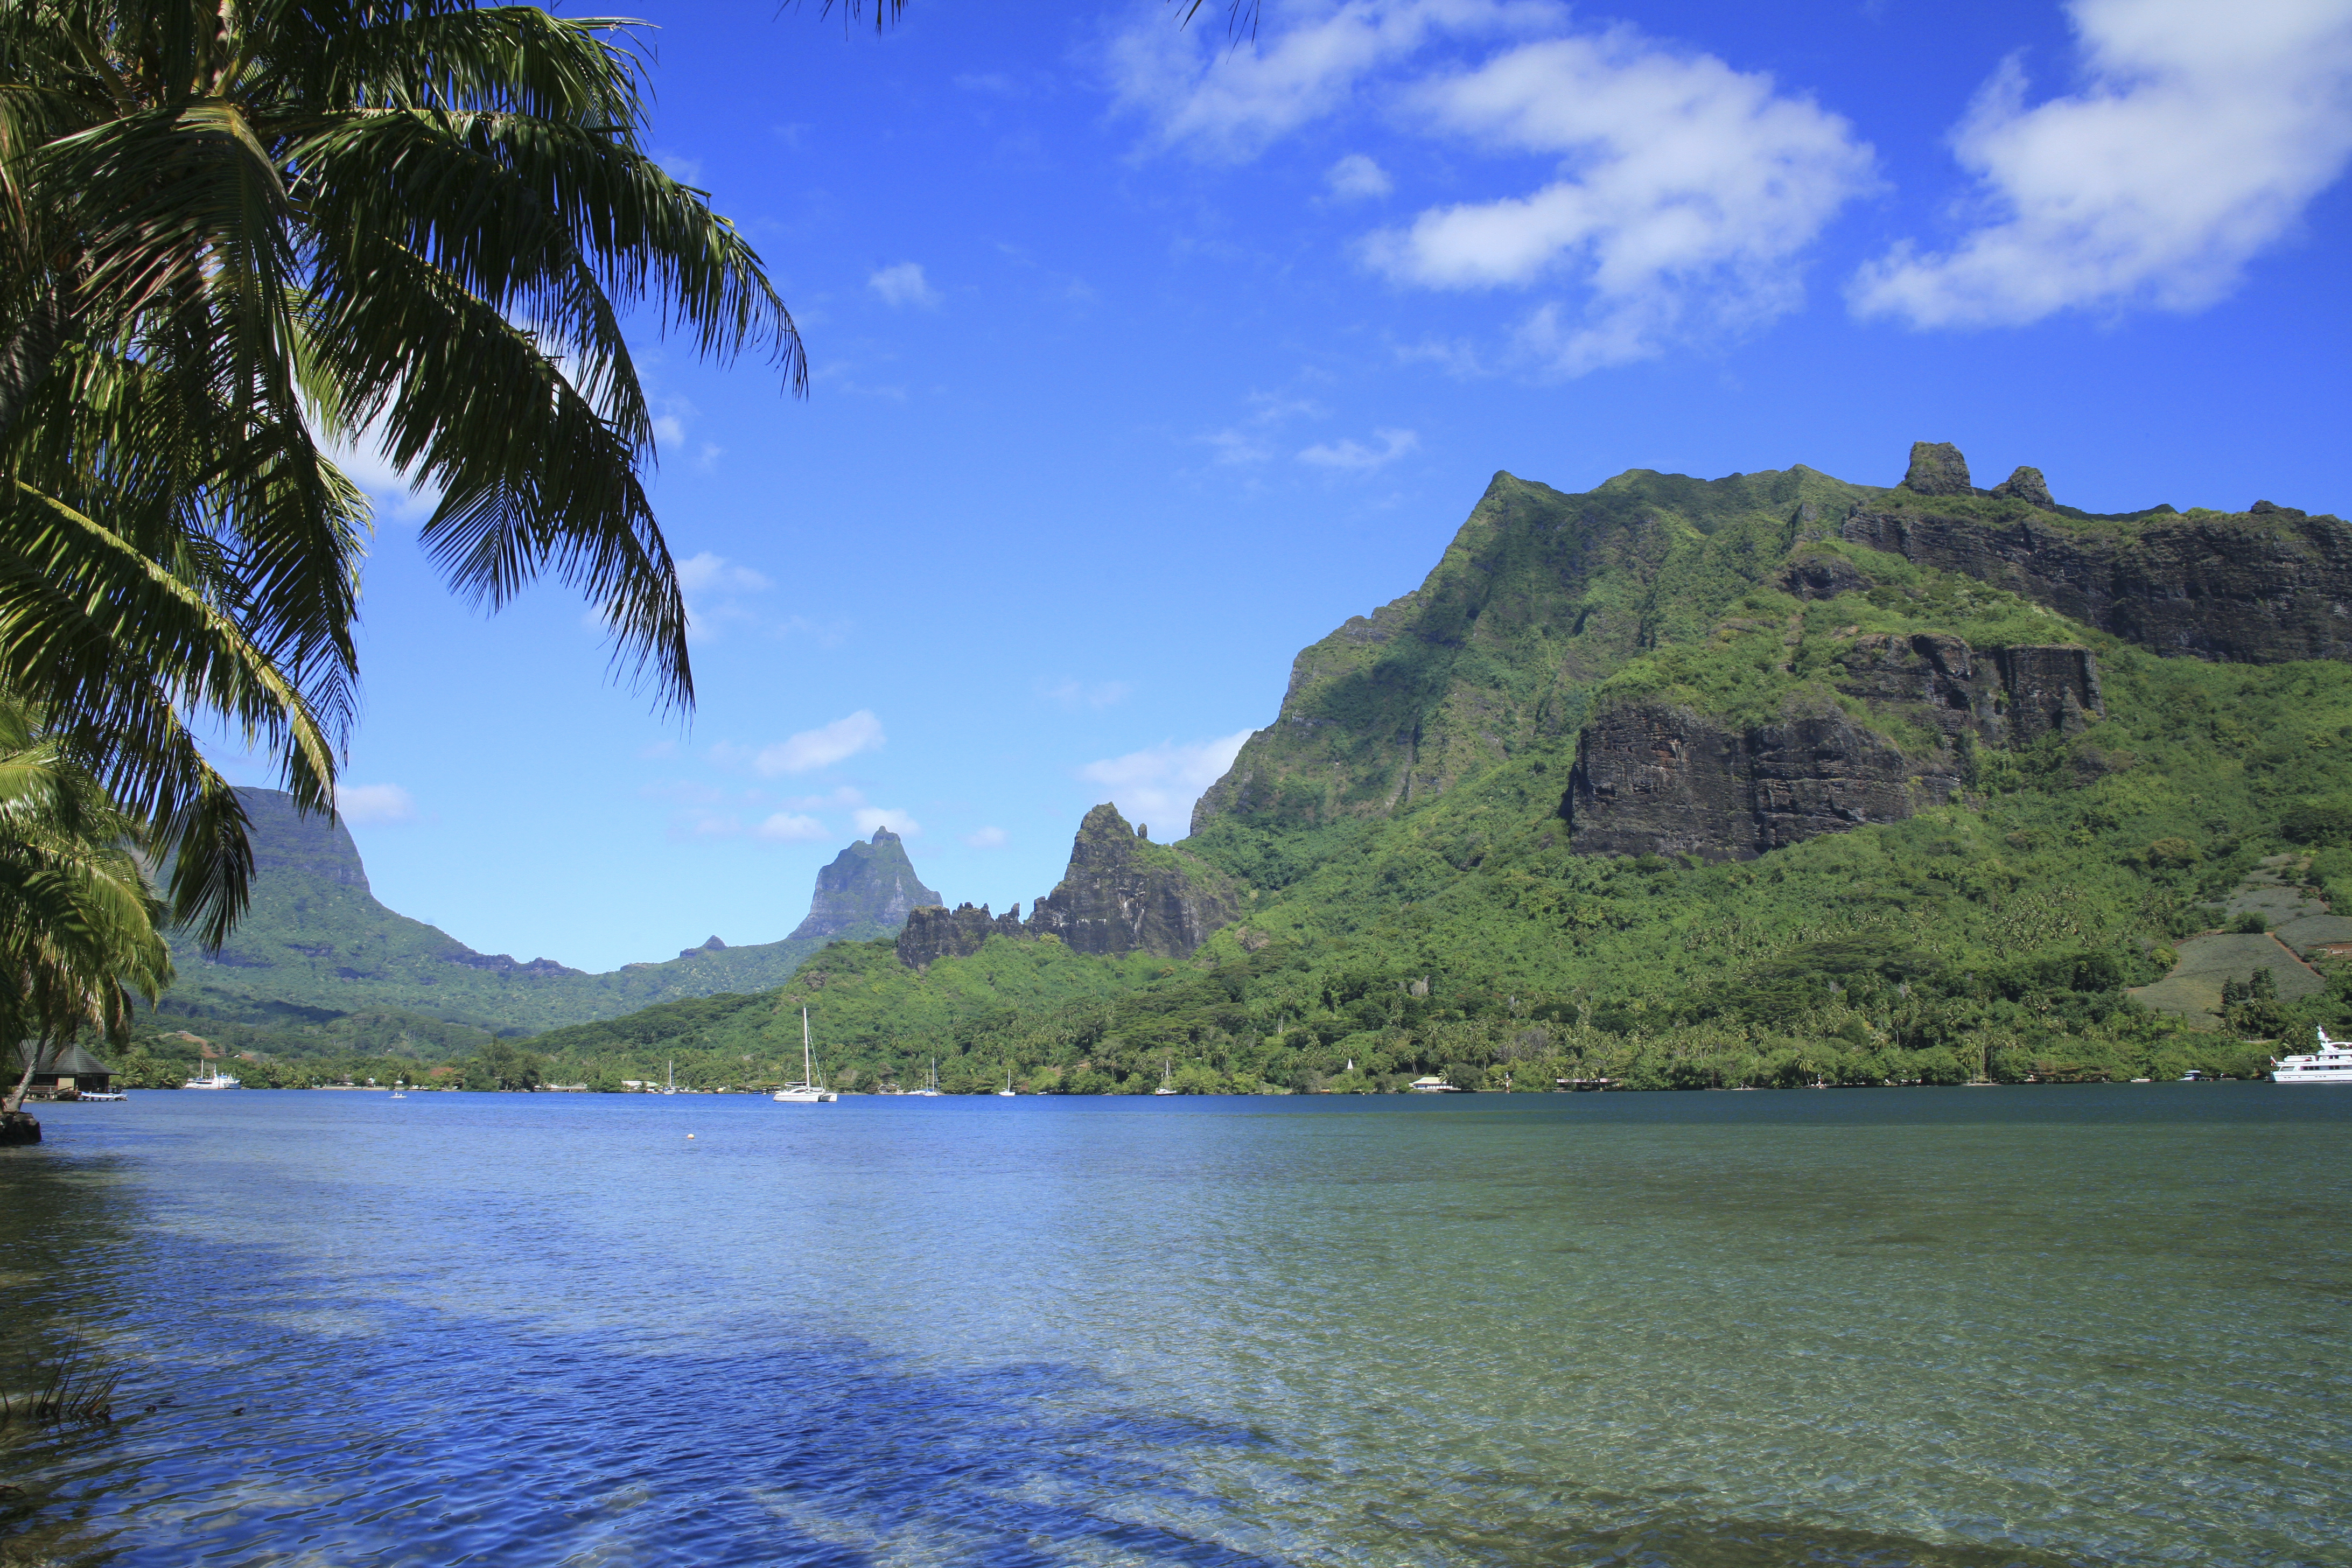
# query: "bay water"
x,y
1953,1327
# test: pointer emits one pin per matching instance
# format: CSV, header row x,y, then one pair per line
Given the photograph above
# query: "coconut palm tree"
x,y
79,926
238,232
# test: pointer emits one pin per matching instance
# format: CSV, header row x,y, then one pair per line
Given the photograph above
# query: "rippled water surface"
x,y
1962,1327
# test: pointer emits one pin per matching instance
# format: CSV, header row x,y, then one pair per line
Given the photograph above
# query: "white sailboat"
x,y
808,1091
1007,1093
212,1077
930,1089
1167,1076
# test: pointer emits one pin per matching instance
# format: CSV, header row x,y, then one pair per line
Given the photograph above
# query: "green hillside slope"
x,y
318,946
1772,780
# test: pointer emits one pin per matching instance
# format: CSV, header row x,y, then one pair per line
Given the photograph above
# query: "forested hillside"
x,y
1768,780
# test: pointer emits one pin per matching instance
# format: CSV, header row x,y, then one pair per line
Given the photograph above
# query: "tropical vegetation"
x,y
242,235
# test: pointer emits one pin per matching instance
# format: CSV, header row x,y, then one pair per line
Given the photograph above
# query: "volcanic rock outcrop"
x,y
1125,894
868,884
2261,586
933,932
1122,893
1652,778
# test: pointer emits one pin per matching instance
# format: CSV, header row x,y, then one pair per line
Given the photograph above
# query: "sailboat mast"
x,y
808,1063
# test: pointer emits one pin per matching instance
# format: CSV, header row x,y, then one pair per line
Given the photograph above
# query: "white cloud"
x,y
1686,192
1355,456
370,806
2203,132
822,747
987,838
705,573
1251,440
1160,782
1357,175
878,817
685,170
904,285
790,827
1219,100
668,429
362,461
1073,693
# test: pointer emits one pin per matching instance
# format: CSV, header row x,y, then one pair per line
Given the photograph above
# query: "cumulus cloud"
x,y
821,747
1686,192
987,838
879,817
706,572
369,805
2202,133
1220,101
1073,693
1160,782
1355,456
1356,176
790,827
904,284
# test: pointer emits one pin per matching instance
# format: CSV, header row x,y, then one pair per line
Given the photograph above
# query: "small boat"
x,y
1432,1084
212,1077
2331,1063
102,1094
930,1089
400,1094
1007,1093
808,1091
1167,1076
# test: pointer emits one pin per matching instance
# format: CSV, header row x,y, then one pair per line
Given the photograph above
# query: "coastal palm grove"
x,y
239,238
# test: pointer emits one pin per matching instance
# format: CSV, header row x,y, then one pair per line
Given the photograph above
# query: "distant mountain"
x,y
867,886
318,945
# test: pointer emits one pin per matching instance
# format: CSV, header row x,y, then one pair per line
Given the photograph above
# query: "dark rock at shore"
x,y
17,1127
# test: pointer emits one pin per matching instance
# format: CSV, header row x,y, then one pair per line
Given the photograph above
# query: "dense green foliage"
x,y
1412,904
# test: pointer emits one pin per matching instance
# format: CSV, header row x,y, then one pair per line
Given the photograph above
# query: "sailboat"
x,y
670,1078
1167,1076
930,1089
808,1091
1007,1093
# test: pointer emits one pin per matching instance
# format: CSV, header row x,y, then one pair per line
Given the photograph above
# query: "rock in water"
x,y
869,884
1937,470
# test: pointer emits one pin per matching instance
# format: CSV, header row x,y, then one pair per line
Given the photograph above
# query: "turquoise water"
x,y
1941,1327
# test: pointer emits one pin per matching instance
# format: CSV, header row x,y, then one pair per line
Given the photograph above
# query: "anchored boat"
x,y
2331,1063
808,1091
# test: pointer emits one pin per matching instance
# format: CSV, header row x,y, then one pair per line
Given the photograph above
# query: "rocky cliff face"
x,y
284,840
1124,894
1540,594
2261,586
933,932
1656,778
868,885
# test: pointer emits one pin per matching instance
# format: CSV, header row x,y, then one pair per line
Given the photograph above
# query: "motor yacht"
x,y
2331,1063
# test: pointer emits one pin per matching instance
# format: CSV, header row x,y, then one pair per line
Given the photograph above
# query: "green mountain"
x,y
318,947
1771,779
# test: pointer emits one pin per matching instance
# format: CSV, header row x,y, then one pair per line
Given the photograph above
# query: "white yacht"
x,y
808,1091
212,1077
2332,1063
1007,1093
1167,1076
930,1089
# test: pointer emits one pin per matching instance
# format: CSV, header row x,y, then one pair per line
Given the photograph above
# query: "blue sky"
x,y
1141,362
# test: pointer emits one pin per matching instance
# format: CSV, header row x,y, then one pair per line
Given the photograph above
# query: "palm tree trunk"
x,y
32,1049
